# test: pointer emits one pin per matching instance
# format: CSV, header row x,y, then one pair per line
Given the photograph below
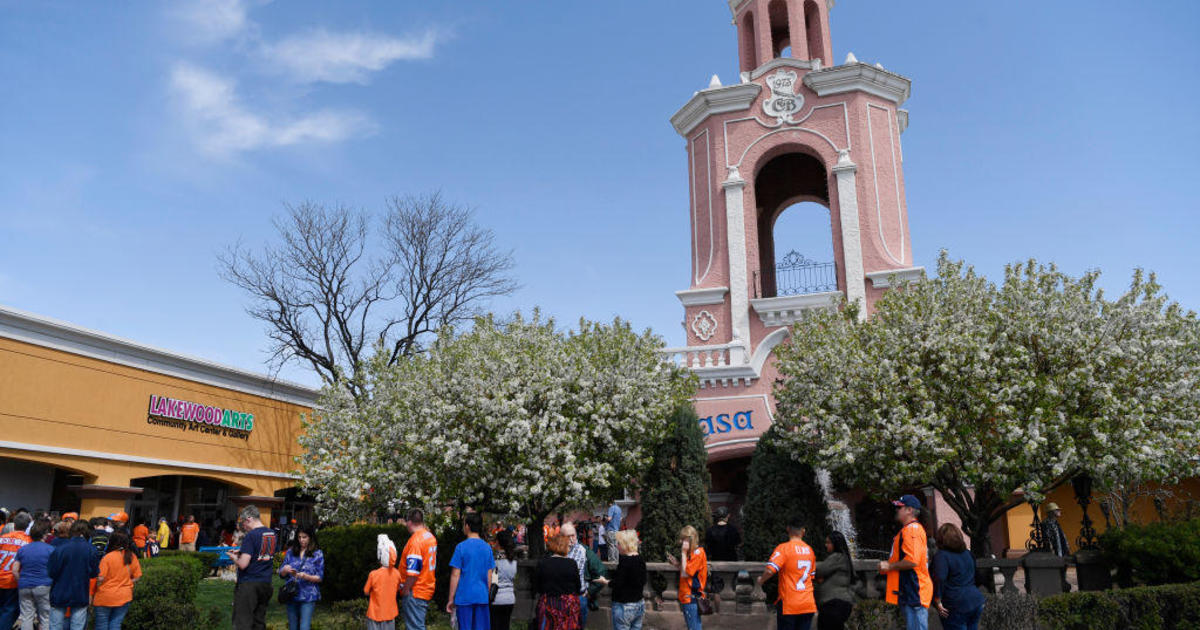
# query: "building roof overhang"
x,y
66,337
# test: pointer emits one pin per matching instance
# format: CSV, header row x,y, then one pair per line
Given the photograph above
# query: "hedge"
x,y
1157,553
165,597
1142,608
350,555
1167,607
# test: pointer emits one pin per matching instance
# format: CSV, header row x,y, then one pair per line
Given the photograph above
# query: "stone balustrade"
x,y
741,603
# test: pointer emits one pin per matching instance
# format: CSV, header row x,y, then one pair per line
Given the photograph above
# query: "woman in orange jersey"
x,y
793,561
693,575
119,571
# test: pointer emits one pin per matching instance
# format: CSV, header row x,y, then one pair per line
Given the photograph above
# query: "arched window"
x,y
812,22
749,44
803,244
780,33
792,195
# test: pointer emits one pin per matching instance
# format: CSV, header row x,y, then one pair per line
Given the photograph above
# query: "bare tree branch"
x,y
329,292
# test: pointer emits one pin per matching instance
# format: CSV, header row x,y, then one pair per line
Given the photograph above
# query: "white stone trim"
x,y
883,279
784,311
902,123
705,103
780,62
698,277
59,335
895,182
735,233
860,77
76,452
702,297
852,258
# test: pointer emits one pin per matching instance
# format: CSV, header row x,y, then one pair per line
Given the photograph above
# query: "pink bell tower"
x,y
793,128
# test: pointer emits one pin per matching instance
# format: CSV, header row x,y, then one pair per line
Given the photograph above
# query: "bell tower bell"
x,y
792,129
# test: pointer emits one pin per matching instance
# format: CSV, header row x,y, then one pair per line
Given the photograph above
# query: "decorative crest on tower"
x,y
784,101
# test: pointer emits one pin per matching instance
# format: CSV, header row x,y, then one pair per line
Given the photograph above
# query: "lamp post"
x,y
1083,496
1036,542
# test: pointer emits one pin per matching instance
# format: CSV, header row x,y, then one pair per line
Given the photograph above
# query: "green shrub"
x,y
1017,611
1158,553
780,489
874,614
350,555
206,558
1141,608
165,597
674,491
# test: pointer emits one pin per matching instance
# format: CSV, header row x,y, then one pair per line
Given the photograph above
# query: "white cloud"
x,y
211,21
222,125
320,55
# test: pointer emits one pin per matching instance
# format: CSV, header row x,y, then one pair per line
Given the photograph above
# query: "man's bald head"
x,y
568,530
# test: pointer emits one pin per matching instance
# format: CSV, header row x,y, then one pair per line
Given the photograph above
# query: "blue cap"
x,y
908,500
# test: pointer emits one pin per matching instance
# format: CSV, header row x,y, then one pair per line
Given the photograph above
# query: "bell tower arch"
x,y
793,133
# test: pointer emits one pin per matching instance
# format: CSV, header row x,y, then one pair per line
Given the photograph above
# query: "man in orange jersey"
x,y
907,569
793,561
140,534
10,544
188,534
420,562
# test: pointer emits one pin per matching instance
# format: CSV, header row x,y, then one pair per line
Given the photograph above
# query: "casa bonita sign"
x,y
191,416
725,423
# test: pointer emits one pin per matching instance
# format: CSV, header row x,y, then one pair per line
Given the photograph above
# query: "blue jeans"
x,y
10,607
958,620
583,610
58,618
110,617
916,617
300,615
414,612
691,615
628,616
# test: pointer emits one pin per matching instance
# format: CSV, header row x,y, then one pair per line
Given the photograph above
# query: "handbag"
x,y
288,591
493,588
704,605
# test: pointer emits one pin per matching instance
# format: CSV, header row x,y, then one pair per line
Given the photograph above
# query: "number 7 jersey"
x,y
794,563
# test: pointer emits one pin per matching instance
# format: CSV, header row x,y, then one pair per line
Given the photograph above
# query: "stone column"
x,y
847,189
739,290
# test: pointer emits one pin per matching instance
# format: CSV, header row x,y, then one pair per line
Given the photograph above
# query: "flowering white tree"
x,y
983,391
517,418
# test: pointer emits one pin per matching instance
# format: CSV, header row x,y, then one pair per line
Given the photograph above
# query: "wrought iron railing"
x,y
797,275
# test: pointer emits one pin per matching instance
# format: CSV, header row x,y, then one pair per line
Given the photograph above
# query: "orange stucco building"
x,y
99,424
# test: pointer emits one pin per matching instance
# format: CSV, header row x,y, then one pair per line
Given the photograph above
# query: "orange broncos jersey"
x,y
10,544
420,559
794,562
911,587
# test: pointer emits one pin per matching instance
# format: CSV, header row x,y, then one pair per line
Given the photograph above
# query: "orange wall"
x,y
53,398
1019,519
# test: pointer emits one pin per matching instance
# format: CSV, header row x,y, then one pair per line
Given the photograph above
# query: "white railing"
x,y
696,357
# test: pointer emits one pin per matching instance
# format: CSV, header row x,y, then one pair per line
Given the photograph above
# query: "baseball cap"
x,y
1051,506
71,515
119,517
908,500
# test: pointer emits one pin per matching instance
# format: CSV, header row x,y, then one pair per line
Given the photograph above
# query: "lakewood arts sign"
x,y
191,416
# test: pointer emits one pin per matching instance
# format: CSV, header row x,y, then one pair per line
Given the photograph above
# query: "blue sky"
x,y
137,143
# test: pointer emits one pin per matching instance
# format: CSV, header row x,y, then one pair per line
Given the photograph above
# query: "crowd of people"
x,y
54,572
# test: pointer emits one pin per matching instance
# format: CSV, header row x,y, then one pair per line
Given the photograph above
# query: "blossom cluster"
x,y
515,417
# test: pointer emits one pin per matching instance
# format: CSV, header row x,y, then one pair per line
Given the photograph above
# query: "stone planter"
x,y
1092,571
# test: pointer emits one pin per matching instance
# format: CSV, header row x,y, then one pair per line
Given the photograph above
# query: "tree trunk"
x,y
535,537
